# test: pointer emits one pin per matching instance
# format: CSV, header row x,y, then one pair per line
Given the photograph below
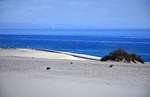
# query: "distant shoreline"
x,y
76,55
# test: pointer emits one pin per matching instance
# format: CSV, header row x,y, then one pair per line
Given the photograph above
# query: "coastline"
x,y
47,54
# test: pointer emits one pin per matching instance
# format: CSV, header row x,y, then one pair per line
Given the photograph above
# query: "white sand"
x,y
43,54
24,75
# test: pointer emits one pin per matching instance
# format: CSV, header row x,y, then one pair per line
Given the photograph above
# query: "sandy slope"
x,y
44,54
27,77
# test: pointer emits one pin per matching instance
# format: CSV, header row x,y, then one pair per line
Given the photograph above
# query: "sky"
x,y
75,14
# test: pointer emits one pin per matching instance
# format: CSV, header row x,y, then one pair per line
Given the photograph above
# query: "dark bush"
x,y
138,58
120,55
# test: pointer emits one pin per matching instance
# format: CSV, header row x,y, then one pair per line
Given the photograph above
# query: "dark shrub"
x,y
120,55
138,58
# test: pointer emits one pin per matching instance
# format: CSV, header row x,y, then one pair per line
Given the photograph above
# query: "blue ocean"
x,y
90,45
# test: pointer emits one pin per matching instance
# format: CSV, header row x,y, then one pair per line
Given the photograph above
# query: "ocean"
x,y
90,45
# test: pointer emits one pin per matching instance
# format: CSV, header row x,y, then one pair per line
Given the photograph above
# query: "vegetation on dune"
x,y
120,55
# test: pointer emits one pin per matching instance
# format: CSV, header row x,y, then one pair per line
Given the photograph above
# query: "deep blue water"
x,y
90,45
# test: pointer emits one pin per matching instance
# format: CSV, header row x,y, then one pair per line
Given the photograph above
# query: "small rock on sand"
x,y
48,68
110,66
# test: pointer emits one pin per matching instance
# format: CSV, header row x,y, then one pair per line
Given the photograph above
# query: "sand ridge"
x,y
23,74
49,54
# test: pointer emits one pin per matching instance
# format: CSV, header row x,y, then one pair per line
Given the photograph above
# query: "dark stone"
x,y
110,66
48,68
71,62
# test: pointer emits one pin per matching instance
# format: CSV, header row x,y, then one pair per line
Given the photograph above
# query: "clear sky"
x,y
75,14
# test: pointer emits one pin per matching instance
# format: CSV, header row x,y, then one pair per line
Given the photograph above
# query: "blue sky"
x,y
75,14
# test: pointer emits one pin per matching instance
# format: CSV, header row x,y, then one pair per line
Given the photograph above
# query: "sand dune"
x,y
23,74
49,54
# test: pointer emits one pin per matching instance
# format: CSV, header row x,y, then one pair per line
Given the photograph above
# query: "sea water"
x,y
90,45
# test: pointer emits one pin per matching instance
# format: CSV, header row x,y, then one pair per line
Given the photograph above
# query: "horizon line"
x,y
65,29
